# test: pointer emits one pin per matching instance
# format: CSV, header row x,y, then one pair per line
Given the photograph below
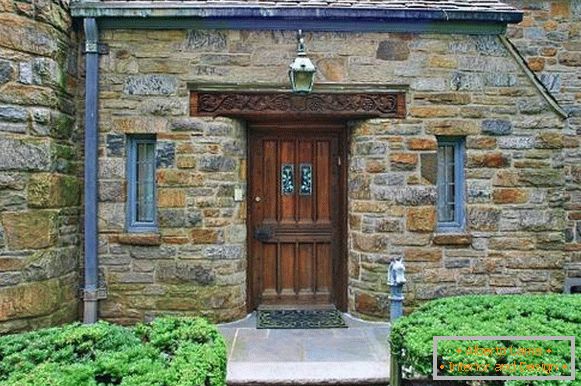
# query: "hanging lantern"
x,y
302,70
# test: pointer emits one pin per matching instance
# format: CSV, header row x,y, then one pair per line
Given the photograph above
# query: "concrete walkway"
x,y
357,355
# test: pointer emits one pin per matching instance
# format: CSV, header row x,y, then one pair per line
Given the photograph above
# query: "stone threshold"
x,y
308,373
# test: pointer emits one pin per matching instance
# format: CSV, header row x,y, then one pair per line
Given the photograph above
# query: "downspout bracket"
x,y
96,48
92,295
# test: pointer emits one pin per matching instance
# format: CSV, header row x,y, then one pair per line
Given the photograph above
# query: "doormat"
x,y
295,319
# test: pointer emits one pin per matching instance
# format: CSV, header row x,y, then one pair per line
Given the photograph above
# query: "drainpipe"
x,y
91,287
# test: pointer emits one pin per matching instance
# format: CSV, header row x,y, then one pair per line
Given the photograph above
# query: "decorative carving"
x,y
328,104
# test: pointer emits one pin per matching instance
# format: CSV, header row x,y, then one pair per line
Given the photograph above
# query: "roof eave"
x,y
152,9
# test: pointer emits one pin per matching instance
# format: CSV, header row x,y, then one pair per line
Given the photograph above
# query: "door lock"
x,y
263,233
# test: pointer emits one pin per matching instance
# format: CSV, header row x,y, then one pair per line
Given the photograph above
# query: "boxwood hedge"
x,y
168,351
491,315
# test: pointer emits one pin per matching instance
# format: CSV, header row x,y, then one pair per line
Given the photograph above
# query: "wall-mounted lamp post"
x,y
302,70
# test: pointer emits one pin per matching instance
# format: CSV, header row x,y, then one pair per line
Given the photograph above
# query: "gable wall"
x,y
458,85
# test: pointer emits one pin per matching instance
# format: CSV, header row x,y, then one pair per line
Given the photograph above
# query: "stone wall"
x,y
196,263
39,166
458,85
549,37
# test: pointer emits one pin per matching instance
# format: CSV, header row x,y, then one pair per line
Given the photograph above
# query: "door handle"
x,y
257,199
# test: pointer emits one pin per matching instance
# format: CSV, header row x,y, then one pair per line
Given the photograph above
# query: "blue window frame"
x,y
450,204
141,197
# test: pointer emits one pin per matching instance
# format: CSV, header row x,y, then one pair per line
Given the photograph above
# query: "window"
x,y
141,203
450,184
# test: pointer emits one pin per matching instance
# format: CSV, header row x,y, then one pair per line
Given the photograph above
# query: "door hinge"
x,y
338,161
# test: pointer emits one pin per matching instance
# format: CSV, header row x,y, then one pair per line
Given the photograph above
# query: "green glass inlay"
x,y
306,180
287,179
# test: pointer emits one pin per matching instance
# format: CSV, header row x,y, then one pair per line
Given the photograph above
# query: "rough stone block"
x,y
13,114
473,142
30,230
36,299
452,98
462,239
452,127
171,198
115,145
139,125
184,272
359,187
392,50
541,177
421,219
483,218
403,161
371,304
422,144
433,111
510,196
164,154
21,155
112,191
53,191
216,163
139,238
369,243
175,178
496,127
389,225
6,71
205,236
465,81
429,167
517,143
389,179
422,254
548,140
152,84
224,252
207,40
488,160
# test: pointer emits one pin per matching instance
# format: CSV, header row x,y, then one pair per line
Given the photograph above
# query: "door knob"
x,y
257,199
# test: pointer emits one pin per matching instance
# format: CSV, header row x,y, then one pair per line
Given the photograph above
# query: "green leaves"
x,y
488,315
169,351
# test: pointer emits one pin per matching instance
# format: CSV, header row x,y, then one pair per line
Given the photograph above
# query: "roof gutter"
x,y
173,9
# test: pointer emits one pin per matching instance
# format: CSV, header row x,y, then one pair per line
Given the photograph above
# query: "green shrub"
x,y
168,351
490,315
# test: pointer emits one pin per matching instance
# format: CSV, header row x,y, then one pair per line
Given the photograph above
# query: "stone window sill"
x,y
461,239
139,238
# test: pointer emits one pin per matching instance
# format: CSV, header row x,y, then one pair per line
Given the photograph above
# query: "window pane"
x,y
446,183
145,178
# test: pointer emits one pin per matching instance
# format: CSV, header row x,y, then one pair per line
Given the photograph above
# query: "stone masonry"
x,y
39,166
457,85
523,174
549,37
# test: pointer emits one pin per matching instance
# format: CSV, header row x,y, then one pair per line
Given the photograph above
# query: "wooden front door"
x,y
296,206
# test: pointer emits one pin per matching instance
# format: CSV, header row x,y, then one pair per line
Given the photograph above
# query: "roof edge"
x,y
170,9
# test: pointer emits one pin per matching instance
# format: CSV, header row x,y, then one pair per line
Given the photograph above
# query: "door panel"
x,y
295,204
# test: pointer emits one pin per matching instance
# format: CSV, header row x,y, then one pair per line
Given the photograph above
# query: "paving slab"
x,y
357,355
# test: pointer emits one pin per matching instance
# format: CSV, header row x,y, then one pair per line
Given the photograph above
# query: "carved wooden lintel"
x,y
344,105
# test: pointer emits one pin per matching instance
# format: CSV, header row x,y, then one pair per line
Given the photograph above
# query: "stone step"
x,y
308,373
